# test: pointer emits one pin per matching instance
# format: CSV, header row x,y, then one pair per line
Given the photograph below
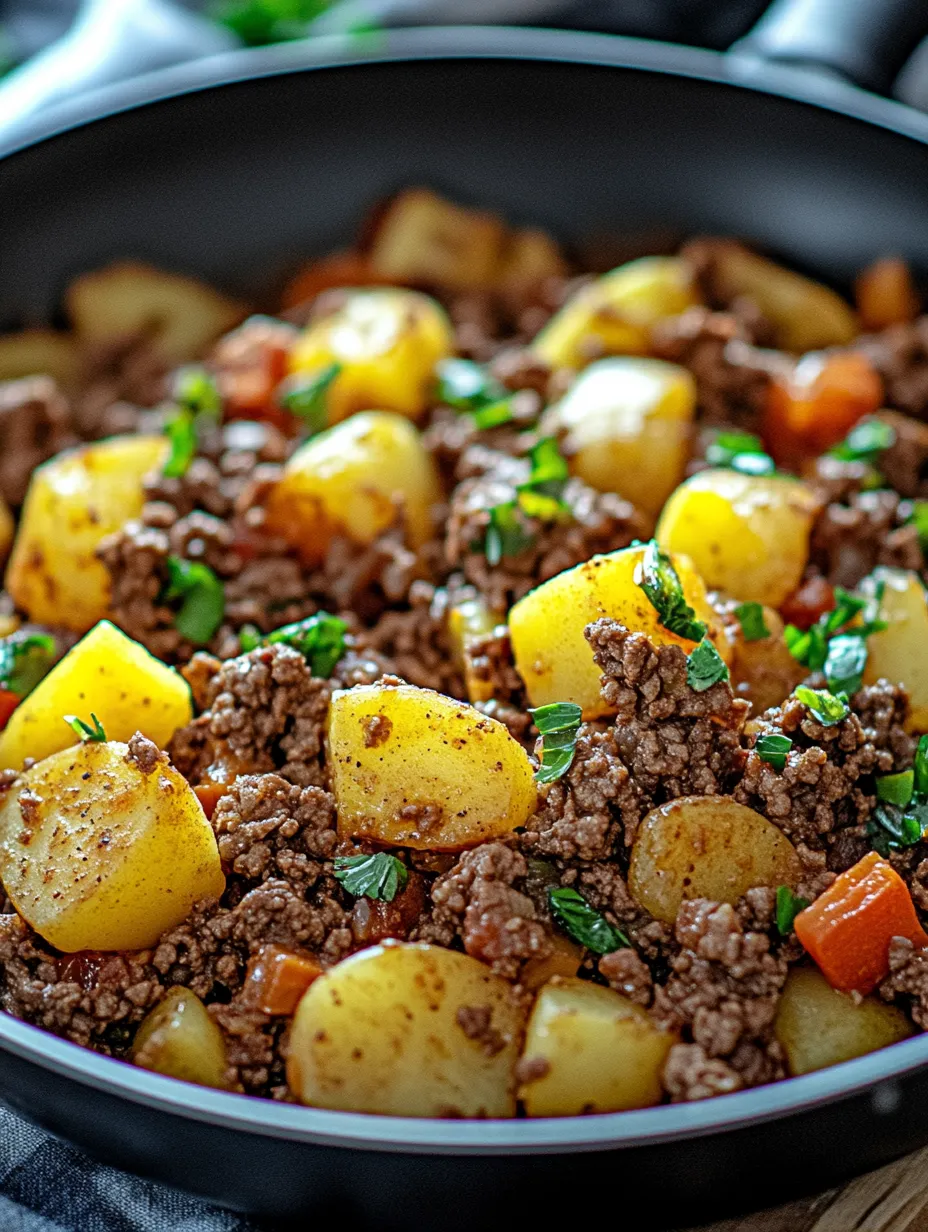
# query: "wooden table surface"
x,y
894,1199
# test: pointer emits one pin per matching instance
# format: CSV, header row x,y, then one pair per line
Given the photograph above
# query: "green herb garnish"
x,y
845,663
788,907
307,398
751,619
920,520
494,414
658,579
181,432
259,22
25,659
900,817
379,876
773,749
320,638
541,494
740,451
921,767
198,403
580,921
203,601
813,647
558,725
896,788
705,667
506,534
827,708
195,391
865,441
88,734
467,386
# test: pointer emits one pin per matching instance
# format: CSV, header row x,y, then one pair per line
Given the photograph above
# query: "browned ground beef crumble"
x,y
715,975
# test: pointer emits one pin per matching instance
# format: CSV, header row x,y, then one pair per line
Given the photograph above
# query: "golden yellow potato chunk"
x,y
706,847
96,854
413,768
747,535
407,1030
108,673
898,654
594,1050
819,1026
74,501
626,427
386,343
551,652
178,1038
353,480
468,621
6,528
615,314
764,671
180,315
40,352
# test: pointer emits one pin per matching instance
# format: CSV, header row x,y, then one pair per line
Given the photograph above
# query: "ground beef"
x,y
121,376
900,355
34,424
478,901
492,664
908,979
690,1073
262,712
627,974
722,992
415,641
144,754
849,540
904,465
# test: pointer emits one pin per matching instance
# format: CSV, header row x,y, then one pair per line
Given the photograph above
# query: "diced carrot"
x,y
342,269
209,795
804,606
818,404
277,979
8,703
886,294
847,930
250,363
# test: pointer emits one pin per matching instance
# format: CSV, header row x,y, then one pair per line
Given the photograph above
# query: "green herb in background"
x,y
195,391
558,725
307,398
198,403
773,749
320,638
379,876
202,598
751,619
257,22
835,645
25,660
506,534
740,451
844,666
788,907
900,818
467,386
88,734
705,667
865,441
659,580
580,921
920,520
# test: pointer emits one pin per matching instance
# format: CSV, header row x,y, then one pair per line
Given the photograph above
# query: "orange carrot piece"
x,y
209,795
342,269
8,703
277,979
847,930
819,404
886,294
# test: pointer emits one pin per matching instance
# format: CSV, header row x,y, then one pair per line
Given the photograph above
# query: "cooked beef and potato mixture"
x,y
484,688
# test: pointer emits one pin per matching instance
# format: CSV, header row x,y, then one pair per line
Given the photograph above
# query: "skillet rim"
x,y
358,1131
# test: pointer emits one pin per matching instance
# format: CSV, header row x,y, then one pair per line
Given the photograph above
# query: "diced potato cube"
x,y
407,1030
819,1026
108,673
386,343
565,959
886,294
898,653
594,1050
74,501
764,671
97,854
40,352
468,621
353,480
615,314
530,258
181,315
178,1038
413,768
627,424
423,238
747,535
551,652
706,847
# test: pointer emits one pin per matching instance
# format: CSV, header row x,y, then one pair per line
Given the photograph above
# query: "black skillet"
x,y
235,168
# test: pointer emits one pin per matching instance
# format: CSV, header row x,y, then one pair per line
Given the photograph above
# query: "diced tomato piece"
x,y
812,600
817,406
277,979
209,795
886,294
8,703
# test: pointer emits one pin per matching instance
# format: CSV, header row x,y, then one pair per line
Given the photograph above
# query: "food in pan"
x,y
490,686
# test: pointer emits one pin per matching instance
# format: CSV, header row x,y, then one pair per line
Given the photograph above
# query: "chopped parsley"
x,y
558,725
900,818
865,441
181,432
258,22
379,876
320,638
921,767
24,660
198,402
541,494
580,921
467,386
835,645
658,579
307,398
494,414
506,533
773,749
788,907
751,619
89,734
845,663
195,391
740,451
919,519
705,667
896,788
827,708
203,601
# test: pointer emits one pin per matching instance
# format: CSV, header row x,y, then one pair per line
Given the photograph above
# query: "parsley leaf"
x,y
812,647
773,749
24,660
892,828
920,519
467,386
865,441
705,667
307,398
203,601
320,638
580,921
921,767
845,663
658,579
494,414
751,619
88,734
181,432
540,496
740,451
506,535
380,876
558,725
896,788
788,907
198,401
827,708
195,391
258,22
